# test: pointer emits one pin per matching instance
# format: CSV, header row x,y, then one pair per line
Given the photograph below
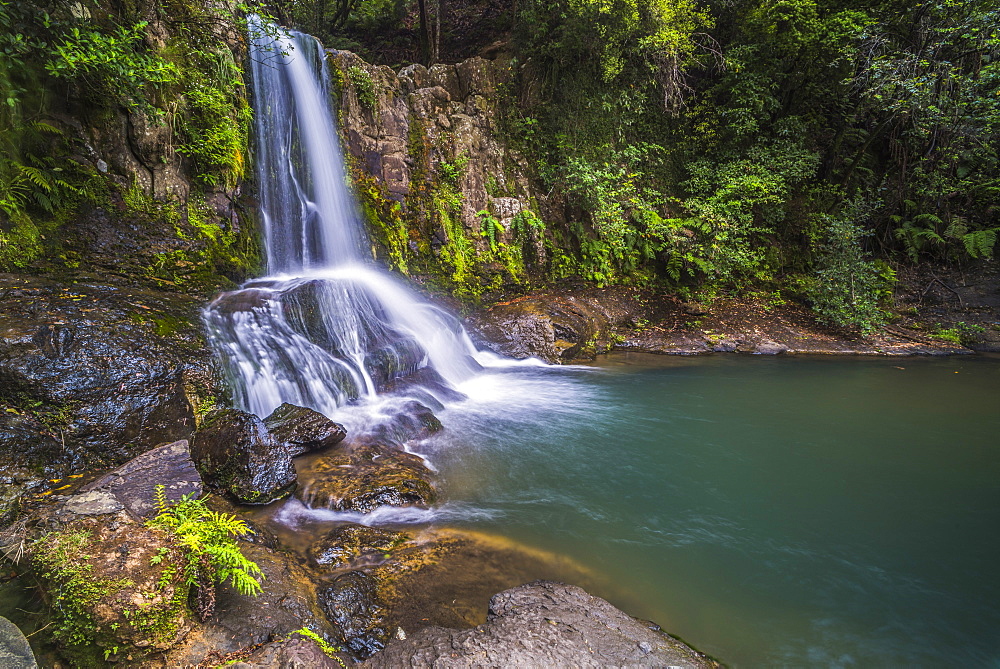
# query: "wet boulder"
x,y
92,374
133,485
365,477
117,584
406,421
352,605
544,624
295,653
445,578
15,652
25,449
303,430
354,545
395,359
235,453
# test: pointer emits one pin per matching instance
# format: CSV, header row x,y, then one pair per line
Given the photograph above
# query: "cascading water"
x,y
324,328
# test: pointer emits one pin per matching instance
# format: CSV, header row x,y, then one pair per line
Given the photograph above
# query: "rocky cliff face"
x,y
101,351
446,195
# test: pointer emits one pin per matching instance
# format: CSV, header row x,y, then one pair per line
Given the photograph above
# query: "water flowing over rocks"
x,y
544,624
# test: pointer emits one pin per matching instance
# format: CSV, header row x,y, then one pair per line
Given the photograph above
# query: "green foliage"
x,y
207,539
63,560
452,172
216,125
111,62
961,334
329,650
848,290
364,87
59,52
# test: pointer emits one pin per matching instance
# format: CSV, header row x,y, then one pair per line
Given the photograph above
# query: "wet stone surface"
x,y
15,653
92,374
352,604
544,624
364,477
303,430
235,453
352,544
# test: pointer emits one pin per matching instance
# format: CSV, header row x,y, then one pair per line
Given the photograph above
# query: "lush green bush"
x,y
848,289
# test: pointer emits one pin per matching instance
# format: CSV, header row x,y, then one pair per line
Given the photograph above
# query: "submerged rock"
x,y
353,606
365,477
428,386
303,430
351,544
544,624
446,577
408,421
234,452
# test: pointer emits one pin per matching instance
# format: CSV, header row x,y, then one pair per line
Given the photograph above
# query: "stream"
x,y
770,511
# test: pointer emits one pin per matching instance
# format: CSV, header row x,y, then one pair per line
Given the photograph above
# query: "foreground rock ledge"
x,y
544,624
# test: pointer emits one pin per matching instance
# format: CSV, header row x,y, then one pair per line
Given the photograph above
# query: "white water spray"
x,y
324,328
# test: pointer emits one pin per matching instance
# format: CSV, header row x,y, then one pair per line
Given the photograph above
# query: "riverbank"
x,y
933,314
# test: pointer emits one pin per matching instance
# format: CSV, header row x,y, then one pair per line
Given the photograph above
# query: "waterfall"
x,y
325,327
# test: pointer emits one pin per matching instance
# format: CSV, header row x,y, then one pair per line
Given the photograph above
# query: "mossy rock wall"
x,y
148,183
447,199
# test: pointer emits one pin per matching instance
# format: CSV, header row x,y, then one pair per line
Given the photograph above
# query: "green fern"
x,y
207,539
979,244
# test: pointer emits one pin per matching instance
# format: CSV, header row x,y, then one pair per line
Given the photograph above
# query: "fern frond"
x,y
979,244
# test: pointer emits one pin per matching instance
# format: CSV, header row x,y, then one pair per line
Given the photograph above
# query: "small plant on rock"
x,y
207,539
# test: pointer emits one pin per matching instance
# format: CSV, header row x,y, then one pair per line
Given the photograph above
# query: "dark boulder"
x,y
15,653
352,545
234,452
544,624
554,328
407,421
92,374
352,605
366,477
303,430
